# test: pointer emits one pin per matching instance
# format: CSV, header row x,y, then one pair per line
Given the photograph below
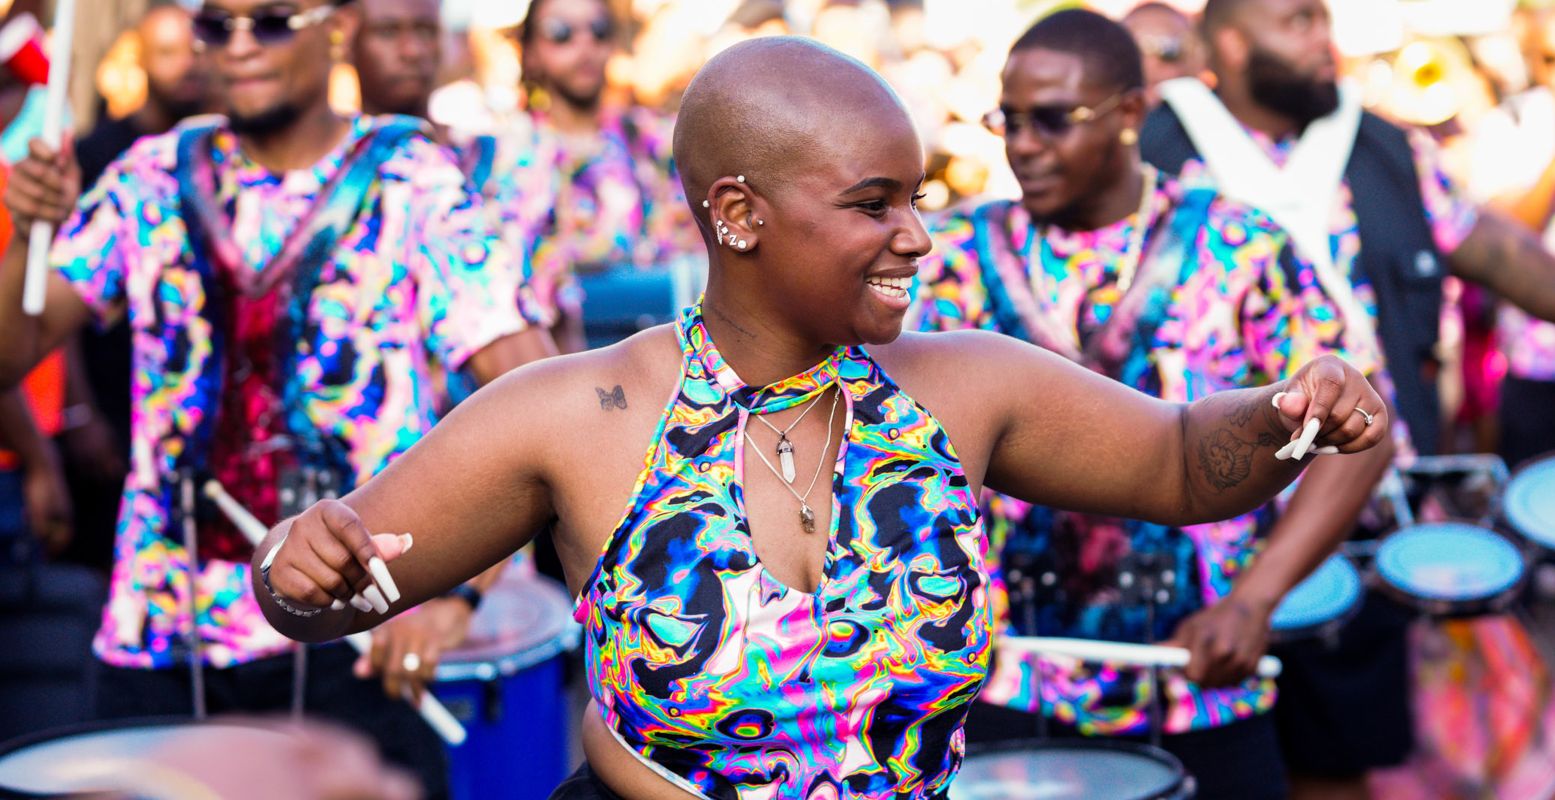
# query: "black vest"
x,y
1398,254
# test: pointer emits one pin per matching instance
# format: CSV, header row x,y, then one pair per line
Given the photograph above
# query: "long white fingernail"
x,y
1328,450
1305,442
382,577
1284,452
406,540
1278,396
360,603
376,598
337,605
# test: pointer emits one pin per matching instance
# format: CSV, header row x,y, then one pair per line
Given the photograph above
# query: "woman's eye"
x,y
918,198
873,206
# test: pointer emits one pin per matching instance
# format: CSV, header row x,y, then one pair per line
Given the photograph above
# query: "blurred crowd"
x,y
574,143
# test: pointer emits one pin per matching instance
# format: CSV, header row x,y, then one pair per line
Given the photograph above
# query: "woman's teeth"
x,y
891,287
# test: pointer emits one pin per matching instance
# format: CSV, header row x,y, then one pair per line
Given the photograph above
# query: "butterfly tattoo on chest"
x,y
615,398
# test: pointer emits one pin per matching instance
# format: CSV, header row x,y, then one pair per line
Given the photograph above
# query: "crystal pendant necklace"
x,y
806,514
785,446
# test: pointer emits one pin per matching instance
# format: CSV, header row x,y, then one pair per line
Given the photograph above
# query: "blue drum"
x,y
505,686
1529,504
1082,769
1320,605
1450,569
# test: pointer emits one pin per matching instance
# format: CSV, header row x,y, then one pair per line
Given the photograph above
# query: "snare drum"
x,y
1319,605
107,757
1450,568
505,686
1529,504
1096,769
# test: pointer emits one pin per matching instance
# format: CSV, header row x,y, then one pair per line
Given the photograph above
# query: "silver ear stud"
x,y
740,178
706,204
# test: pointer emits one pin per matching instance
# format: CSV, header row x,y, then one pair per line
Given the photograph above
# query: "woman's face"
x,y
842,236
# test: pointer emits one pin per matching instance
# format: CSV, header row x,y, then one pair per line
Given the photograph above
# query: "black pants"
x,y
1240,761
1344,708
265,687
1527,419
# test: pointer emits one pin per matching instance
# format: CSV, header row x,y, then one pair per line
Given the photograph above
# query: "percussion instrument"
x,y
1319,605
1529,503
505,686
104,757
1092,769
1450,569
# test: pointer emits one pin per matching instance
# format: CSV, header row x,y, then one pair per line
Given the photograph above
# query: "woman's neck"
x,y
759,350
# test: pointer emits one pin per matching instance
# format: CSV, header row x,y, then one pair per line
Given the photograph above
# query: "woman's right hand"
x,y
328,558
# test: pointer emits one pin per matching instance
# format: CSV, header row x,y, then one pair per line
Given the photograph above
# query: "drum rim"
x,y
569,633
1545,461
1446,606
1150,751
1295,632
10,747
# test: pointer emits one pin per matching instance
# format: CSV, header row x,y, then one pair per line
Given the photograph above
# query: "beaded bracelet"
x,y
264,577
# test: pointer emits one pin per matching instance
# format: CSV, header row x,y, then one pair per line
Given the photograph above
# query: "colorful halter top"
x,y
731,684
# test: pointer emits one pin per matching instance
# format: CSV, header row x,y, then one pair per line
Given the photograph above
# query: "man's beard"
x,y
1278,87
269,121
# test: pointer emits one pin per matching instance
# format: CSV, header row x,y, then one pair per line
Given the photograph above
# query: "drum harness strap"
x,y
218,259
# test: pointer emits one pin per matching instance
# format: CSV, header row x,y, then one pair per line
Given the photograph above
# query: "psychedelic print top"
x,y
1227,318
731,684
1448,212
1527,343
416,277
589,203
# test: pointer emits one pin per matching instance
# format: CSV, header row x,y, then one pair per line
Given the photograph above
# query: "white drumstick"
x,y
42,233
433,711
1139,655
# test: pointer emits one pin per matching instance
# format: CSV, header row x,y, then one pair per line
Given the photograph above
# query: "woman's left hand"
x,y
1330,407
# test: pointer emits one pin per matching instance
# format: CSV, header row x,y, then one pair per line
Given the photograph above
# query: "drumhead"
x,y
1449,561
1070,768
97,757
1529,505
523,621
1330,592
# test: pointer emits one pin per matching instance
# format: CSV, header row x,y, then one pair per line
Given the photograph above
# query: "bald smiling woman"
x,y
768,510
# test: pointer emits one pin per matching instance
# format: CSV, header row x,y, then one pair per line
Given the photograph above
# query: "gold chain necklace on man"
x,y
806,514
1131,256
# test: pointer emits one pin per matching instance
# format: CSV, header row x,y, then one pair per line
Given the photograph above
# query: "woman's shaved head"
x,y
764,107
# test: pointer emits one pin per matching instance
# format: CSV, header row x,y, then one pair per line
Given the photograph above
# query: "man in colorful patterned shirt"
x,y
1376,223
288,276
1179,293
591,187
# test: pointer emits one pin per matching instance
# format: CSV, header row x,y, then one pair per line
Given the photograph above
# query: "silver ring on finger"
x,y
411,662
1368,417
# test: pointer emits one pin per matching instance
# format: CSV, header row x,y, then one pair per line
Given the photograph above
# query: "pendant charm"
x,y
807,519
785,453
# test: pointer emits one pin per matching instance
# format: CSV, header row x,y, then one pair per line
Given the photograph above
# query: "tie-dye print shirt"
x,y
418,278
590,203
1232,320
731,684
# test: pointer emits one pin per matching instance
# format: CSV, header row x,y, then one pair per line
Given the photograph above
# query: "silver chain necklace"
x,y
785,446
806,514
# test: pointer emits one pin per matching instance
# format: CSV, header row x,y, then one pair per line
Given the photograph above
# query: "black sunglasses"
x,y
560,31
1049,122
215,28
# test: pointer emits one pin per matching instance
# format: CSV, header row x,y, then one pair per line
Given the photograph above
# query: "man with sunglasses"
x,y
288,276
1375,221
1179,293
1169,42
589,185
